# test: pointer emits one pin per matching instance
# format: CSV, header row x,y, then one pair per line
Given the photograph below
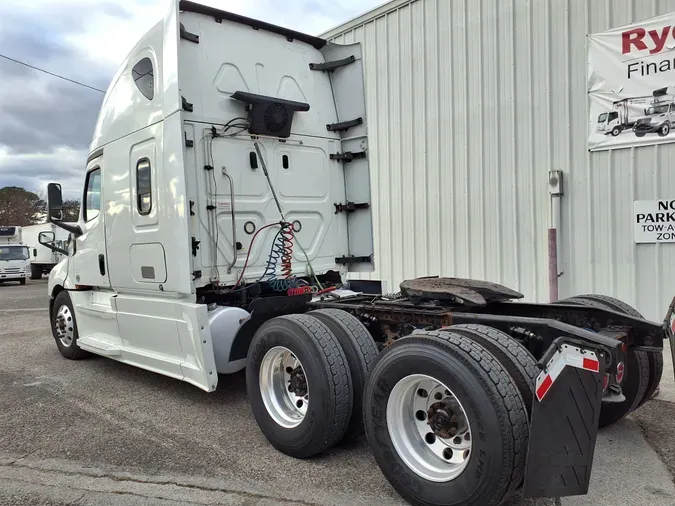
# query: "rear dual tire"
x,y
643,370
475,387
305,377
35,272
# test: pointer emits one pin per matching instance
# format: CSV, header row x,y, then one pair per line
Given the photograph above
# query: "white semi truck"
x,y
227,198
43,259
14,263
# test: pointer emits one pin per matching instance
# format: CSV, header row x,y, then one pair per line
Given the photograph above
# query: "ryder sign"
x,y
631,84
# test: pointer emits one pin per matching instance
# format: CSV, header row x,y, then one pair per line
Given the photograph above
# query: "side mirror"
x,y
54,203
47,240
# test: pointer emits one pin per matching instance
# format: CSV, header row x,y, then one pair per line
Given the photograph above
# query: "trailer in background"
x,y
42,259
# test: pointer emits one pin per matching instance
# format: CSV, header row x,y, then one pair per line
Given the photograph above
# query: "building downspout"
x,y
555,190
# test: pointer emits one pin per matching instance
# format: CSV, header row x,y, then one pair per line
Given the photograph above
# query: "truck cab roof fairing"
x,y
218,15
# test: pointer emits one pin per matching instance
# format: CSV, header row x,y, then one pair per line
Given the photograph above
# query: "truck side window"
x,y
144,186
144,78
92,198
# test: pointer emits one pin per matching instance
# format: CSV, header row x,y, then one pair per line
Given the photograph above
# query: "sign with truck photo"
x,y
631,84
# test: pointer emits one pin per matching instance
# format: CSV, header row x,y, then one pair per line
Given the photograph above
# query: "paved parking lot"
x,y
100,432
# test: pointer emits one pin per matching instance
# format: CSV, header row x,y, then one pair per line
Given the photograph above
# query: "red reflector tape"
x,y
544,387
566,356
591,365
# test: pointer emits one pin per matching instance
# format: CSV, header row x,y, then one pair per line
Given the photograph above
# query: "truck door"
x,y
89,261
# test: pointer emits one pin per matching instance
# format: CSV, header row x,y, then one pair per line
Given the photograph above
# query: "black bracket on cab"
x,y
347,156
187,106
350,207
351,259
195,246
344,125
184,34
329,66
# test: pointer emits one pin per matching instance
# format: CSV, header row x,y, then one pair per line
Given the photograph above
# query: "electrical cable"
x,y
215,195
51,73
250,248
281,212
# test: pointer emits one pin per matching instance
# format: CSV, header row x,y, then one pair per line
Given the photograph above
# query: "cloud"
x,y
46,123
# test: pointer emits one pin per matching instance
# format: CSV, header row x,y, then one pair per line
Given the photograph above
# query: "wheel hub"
x,y
64,325
443,420
284,387
429,428
297,384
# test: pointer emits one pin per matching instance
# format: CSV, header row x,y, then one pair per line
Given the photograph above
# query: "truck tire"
x,y
664,129
361,353
448,380
299,385
639,134
639,377
616,131
22,281
35,272
64,327
608,303
514,356
655,359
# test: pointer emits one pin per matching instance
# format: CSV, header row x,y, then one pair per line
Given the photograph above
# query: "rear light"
x,y
620,370
624,347
605,382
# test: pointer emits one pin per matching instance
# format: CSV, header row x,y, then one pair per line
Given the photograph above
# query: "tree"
x,y
71,210
20,207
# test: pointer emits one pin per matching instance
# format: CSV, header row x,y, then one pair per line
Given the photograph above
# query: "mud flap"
x,y
564,423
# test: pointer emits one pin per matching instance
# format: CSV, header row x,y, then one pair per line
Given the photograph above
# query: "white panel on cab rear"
x,y
221,56
350,102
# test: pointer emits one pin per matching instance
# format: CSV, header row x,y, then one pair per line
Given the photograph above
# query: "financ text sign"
x,y
631,84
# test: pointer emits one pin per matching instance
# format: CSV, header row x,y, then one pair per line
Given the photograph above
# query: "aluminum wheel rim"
x,y
427,452
64,325
279,373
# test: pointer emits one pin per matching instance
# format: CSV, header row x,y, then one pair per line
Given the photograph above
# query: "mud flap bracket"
x,y
564,423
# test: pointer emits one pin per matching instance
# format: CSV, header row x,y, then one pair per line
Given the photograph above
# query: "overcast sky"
x,y
46,123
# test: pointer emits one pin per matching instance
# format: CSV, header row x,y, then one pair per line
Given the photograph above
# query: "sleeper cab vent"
x,y
269,115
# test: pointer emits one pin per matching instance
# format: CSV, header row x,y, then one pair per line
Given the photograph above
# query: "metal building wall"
x,y
471,103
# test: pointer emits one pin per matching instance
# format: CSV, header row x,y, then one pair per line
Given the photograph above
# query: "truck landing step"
x,y
98,345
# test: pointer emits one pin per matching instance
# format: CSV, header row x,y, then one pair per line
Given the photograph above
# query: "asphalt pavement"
x,y
97,432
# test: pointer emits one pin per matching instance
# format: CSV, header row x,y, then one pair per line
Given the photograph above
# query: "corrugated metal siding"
x,y
471,103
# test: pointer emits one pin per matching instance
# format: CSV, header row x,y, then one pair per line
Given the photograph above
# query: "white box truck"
x,y
43,259
623,115
227,197
14,263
